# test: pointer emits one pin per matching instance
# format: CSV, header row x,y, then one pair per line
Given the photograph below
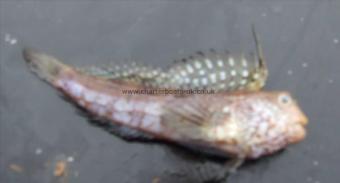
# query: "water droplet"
x,y
38,151
302,19
290,72
305,64
309,179
70,159
11,40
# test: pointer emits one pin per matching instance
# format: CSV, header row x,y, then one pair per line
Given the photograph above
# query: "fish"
x,y
241,124
209,70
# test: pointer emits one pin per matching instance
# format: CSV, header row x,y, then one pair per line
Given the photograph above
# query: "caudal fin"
x,y
45,66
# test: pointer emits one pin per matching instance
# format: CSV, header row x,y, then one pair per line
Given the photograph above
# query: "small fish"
x,y
217,71
243,125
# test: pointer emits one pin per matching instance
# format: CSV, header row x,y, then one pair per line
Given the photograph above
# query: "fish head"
x,y
268,122
291,115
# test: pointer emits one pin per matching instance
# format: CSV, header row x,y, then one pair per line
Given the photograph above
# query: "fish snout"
x,y
297,133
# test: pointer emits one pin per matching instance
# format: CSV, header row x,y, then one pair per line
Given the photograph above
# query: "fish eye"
x,y
284,99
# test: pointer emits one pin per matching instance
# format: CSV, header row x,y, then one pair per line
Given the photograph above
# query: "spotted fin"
x,y
210,70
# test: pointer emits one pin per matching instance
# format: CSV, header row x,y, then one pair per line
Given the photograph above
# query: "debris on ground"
x,y
16,168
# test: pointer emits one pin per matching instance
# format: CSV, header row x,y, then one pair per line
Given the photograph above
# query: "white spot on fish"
x,y
245,73
139,106
222,75
232,83
231,61
187,80
177,77
103,99
183,73
153,108
256,76
123,105
202,72
195,82
150,120
213,77
220,63
222,86
208,63
263,127
226,109
121,117
90,96
204,81
233,72
335,41
76,89
243,81
189,68
198,65
244,62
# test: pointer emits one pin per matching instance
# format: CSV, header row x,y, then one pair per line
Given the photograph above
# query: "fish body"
x,y
236,124
210,70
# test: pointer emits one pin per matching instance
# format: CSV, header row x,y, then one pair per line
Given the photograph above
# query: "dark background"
x,y
38,129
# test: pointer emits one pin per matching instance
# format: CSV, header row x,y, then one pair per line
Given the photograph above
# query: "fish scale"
x,y
210,70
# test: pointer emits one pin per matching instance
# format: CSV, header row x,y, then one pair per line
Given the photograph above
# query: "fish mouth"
x,y
303,119
297,132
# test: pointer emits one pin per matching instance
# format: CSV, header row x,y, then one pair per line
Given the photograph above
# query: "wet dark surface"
x,y
38,129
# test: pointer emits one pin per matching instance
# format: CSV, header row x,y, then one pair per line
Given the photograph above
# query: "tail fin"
x,y
45,66
259,51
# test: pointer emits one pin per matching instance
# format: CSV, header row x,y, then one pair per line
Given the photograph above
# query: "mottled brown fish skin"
x,y
239,124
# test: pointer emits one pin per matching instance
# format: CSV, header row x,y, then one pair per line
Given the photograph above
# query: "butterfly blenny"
x,y
210,70
241,124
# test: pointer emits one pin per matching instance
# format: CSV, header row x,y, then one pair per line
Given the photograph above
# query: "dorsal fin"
x,y
259,51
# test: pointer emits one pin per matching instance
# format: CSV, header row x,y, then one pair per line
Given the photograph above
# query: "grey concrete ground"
x,y
38,129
